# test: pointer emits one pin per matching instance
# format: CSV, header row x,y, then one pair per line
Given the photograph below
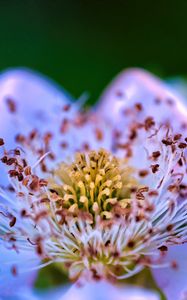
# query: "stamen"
x,y
102,179
97,215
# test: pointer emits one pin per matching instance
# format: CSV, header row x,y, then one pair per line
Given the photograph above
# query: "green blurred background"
x,y
82,44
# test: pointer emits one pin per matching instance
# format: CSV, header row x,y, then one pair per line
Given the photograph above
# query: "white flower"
x,y
103,193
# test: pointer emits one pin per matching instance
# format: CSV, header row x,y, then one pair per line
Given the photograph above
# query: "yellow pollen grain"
x,y
95,183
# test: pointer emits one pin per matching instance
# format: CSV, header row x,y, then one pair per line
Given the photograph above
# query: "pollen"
x,y
95,183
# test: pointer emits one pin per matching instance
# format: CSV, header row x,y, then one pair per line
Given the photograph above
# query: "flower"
x,y
102,193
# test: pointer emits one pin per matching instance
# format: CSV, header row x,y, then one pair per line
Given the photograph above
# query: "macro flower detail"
x,y
103,199
95,181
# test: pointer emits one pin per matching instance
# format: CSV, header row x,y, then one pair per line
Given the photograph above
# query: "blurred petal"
x,y
13,284
32,95
27,101
34,99
11,263
138,86
103,291
173,280
166,103
21,294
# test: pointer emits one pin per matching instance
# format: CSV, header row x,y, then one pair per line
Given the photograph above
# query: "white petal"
x,y
39,105
36,99
20,294
22,277
173,280
138,86
103,291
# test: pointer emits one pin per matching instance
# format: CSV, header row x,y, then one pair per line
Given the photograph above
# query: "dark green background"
x,y
82,44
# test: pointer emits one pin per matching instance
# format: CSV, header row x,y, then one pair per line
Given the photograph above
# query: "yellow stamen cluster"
x,y
95,182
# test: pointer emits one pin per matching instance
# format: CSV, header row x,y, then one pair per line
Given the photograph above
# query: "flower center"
x,y
95,182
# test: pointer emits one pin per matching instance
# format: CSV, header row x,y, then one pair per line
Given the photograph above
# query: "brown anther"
x,y
40,215
86,147
143,173
115,254
66,107
13,173
14,271
51,155
177,136
4,159
156,154
11,161
182,145
95,275
17,152
27,171
45,200
64,126
139,106
39,249
139,218
11,105
174,265
20,138
10,189
155,168
99,134
34,185
133,134
163,248
1,142
24,163
167,142
33,134
43,182
173,188
47,137
180,162
12,222
23,213
150,208
64,145
169,227
144,189
149,122
20,177
153,193
133,189
107,243
43,167
130,244
140,191
25,181
182,186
